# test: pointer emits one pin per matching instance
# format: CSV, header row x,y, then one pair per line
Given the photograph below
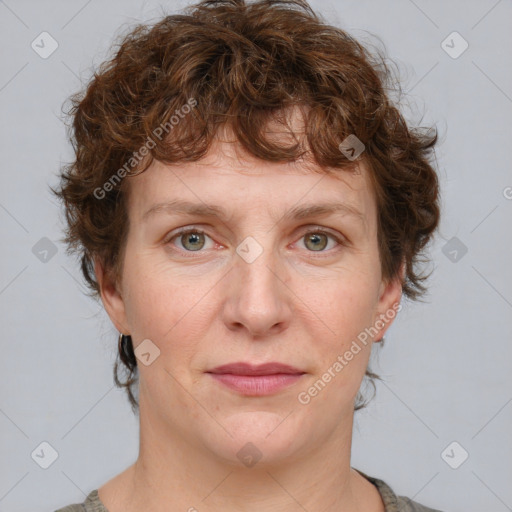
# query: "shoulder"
x,y
92,503
394,503
407,505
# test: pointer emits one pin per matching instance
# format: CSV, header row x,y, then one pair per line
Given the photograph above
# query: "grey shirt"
x,y
392,502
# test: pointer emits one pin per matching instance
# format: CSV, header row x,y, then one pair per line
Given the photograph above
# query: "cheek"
x,y
167,308
345,311
343,350
343,306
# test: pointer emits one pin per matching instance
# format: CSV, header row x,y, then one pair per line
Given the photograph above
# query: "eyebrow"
x,y
210,210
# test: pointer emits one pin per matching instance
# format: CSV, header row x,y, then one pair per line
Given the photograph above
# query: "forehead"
x,y
241,184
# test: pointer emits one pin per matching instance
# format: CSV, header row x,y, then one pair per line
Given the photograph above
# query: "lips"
x,y
261,380
242,368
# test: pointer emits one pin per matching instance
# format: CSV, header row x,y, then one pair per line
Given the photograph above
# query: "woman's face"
x,y
258,286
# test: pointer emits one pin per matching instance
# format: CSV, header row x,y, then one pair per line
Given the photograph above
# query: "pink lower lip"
x,y
257,385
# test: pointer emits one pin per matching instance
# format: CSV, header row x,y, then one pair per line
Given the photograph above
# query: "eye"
x,y
317,240
192,239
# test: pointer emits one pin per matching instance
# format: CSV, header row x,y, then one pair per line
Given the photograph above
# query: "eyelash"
x,y
192,229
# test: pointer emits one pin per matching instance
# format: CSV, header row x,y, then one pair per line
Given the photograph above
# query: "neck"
x,y
173,473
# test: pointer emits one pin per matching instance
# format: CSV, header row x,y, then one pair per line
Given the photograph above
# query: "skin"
x,y
209,307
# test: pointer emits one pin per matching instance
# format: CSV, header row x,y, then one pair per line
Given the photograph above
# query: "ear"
x,y
111,297
390,294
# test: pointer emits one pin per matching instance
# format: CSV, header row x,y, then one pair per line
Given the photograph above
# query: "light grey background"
x,y
446,362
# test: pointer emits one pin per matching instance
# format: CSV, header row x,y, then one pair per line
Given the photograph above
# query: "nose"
x,y
258,298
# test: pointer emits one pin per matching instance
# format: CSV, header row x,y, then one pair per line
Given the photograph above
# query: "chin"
x,y
259,438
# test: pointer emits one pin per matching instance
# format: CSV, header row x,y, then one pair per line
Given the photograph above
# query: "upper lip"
x,y
241,368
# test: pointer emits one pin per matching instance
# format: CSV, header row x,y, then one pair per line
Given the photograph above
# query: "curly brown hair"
x,y
240,65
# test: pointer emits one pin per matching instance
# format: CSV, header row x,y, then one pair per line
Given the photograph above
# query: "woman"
x,y
250,207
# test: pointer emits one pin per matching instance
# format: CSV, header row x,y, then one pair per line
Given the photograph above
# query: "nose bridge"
x,y
258,300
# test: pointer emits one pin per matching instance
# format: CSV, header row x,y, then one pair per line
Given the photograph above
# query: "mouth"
x,y
260,380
